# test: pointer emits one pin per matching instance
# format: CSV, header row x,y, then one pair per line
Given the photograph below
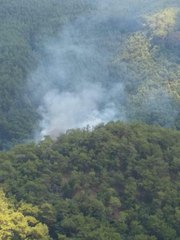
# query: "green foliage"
x,y
116,182
23,27
153,66
119,181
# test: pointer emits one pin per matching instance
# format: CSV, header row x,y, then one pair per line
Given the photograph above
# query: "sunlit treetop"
x,y
163,22
15,225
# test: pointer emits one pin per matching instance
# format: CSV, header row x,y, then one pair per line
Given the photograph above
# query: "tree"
x,y
15,225
161,23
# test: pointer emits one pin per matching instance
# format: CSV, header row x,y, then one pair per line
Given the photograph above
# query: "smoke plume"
x,y
75,84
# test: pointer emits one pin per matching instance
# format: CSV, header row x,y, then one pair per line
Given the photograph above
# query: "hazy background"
x,y
77,83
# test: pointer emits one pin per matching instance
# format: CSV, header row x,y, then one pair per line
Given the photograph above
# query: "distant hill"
x,y
138,42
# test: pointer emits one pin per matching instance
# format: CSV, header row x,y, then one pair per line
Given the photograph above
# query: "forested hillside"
x,y
89,119
121,61
23,27
116,182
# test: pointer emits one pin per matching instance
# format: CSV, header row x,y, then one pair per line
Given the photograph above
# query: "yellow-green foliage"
x,y
154,78
14,223
174,88
137,48
161,23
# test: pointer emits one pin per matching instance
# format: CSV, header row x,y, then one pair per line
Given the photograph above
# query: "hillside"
x,y
89,119
23,26
118,181
121,61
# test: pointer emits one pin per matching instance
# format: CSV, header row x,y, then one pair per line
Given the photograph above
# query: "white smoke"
x,y
74,84
67,110
70,83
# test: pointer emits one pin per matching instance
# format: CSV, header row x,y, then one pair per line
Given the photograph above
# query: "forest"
x,y
118,181
121,61
89,120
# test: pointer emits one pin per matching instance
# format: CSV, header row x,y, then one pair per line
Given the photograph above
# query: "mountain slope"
x,y
116,182
130,49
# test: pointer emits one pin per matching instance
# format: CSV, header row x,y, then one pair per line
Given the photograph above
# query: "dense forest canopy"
x,y
116,182
91,91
